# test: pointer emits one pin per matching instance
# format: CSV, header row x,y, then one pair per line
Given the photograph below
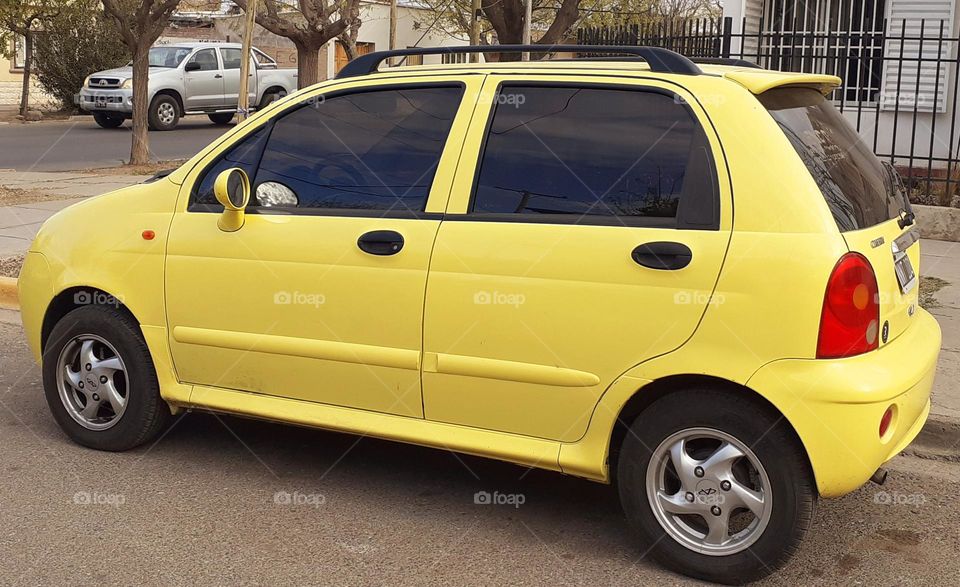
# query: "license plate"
x,y
101,101
904,270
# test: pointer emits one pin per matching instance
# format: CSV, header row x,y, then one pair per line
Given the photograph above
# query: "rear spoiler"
x,y
759,81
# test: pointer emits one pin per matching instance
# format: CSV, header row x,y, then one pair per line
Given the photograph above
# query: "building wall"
x,y
11,84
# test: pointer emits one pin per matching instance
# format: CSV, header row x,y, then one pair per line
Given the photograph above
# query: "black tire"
x,y
108,120
270,98
220,118
161,117
145,415
773,443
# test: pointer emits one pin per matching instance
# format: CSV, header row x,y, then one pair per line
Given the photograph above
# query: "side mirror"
x,y
232,189
191,66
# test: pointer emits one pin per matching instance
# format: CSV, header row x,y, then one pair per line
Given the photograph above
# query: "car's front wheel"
x,y
100,382
108,120
715,485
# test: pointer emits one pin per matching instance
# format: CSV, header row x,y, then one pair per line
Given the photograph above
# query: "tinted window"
x,y
245,155
588,153
207,59
231,58
856,186
374,150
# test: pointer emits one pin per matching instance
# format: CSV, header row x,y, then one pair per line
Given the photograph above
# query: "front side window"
x,y
374,150
369,151
206,59
596,154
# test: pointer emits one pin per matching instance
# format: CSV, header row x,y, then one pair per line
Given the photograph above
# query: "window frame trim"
x,y
577,219
195,207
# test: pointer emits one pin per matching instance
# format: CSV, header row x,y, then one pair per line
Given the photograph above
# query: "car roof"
x,y
199,45
753,79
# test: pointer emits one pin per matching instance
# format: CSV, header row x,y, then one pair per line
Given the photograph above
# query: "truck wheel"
x,y
271,98
106,120
715,485
220,118
164,113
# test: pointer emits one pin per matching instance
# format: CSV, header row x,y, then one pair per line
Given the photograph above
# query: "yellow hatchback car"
x,y
692,280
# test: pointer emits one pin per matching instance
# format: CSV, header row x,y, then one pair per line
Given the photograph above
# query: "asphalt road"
x,y
66,146
200,506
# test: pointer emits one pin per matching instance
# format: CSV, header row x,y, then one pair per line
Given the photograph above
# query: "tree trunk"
x,y
27,70
139,148
308,65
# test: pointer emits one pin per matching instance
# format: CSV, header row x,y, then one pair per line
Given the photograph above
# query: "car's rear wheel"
x,y
220,118
715,485
108,120
164,113
100,382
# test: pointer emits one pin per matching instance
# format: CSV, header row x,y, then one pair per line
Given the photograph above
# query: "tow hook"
x,y
880,477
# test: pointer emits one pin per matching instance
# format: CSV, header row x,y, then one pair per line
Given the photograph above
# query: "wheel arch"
x,y
647,395
173,94
73,298
274,88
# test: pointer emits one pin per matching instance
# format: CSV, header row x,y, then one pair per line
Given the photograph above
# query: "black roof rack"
x,y
659,59
726,61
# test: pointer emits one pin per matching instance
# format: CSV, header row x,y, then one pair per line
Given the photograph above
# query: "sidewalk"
x,y
19,223
941,259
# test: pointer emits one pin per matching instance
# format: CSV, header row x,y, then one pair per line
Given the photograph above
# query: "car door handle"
x,y
218,76
663,255
381,242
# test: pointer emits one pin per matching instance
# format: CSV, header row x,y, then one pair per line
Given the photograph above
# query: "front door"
x,y
319,296
584,235
203,81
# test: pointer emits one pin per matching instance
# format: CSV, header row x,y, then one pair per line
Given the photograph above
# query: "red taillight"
x,y
850,320
885,421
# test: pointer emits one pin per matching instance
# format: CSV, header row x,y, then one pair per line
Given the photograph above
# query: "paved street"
x,y
59,146
200,506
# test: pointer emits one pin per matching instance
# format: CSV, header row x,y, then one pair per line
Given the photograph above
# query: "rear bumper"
x,y
836,405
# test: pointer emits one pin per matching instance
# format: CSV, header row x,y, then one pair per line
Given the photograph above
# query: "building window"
x,y
838,37
19,53
454,58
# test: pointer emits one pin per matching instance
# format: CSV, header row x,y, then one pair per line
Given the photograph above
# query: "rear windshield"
x,y
858,188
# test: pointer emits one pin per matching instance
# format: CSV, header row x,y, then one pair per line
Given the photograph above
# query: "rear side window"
x,y
375,150
596,155
856,186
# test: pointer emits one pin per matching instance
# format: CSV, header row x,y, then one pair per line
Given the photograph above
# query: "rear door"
x,y
231,76
865,196
584,234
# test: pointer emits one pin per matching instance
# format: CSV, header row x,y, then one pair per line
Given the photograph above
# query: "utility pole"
x,y
393,28
527,17
475,30
243,96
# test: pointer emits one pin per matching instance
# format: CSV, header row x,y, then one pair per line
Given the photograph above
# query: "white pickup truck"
x,y
186,78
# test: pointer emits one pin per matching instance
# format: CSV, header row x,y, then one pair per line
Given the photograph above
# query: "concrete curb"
x,y
939,440
8,293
